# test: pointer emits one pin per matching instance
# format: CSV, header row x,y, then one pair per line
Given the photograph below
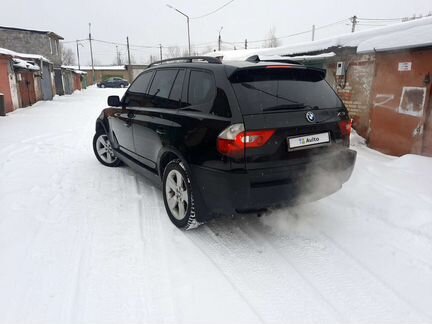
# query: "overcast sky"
x,y
152,22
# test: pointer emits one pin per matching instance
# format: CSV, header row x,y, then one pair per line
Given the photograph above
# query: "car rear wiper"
x,y
289,106
251,87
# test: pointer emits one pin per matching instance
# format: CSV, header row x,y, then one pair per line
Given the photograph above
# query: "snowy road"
x,y
82,243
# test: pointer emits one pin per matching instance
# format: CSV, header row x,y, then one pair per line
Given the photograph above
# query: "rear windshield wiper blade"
x,y
289,106
251,87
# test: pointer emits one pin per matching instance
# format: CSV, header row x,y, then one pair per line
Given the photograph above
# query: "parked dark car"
x,y
231,138
114,82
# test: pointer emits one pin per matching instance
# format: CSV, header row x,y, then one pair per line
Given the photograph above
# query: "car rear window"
x,y
274,89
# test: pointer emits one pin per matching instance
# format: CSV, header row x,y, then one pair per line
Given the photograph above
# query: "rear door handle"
x,y
160,131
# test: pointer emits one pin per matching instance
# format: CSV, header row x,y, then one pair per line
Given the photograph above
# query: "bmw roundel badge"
x,y
310,116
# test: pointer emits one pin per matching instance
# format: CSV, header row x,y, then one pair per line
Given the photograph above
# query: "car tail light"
x,y
234,140
345,127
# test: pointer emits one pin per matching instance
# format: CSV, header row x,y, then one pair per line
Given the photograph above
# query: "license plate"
x,y
308,140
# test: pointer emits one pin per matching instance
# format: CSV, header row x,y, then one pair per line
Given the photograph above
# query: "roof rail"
x,y
256,59
188,59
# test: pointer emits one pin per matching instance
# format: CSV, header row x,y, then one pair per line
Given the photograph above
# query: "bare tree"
x,y
68,56
118,60
172,51
271,39
185,52
133,59
153,58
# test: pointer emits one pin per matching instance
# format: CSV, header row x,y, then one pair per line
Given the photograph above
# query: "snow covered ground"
x,y
82,243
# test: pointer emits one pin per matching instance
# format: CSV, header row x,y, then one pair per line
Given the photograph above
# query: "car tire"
x,y
102,86
178,196
122,85
103,150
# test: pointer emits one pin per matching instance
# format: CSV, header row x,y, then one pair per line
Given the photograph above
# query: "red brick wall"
x,y
4,82
355,88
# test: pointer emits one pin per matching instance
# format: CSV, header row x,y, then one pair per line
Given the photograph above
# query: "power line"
x,y
214,11
292,35
372,25
381,19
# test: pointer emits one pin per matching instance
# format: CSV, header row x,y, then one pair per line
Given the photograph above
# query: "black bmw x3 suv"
x,y
229,138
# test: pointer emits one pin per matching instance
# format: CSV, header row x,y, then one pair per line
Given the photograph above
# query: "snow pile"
x,y
415,33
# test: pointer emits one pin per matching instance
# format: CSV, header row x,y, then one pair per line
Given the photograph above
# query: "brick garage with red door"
x,y
401,107
5,79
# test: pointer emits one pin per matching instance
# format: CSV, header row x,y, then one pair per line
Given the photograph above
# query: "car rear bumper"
x,y
233,192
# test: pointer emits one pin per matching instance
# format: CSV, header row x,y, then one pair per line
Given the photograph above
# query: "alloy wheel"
x,y
177,194
104,149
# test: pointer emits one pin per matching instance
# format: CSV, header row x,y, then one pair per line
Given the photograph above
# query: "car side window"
x,y
137,94
141,83
201,90
201,87
160,88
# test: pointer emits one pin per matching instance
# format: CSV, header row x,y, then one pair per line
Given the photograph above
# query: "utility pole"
x,y
189,36
128,50
79,65
246,43
354,23
91,54
313,33
160,51
219,39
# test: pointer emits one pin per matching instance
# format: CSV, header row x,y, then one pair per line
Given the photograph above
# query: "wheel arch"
x,y
167,155
100,126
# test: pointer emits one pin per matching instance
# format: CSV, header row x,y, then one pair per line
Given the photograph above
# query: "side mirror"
x,y
114,101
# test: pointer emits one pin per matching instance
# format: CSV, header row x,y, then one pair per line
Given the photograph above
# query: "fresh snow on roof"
x,y
418,36
72,68
312,57
19,63
23,55
415,33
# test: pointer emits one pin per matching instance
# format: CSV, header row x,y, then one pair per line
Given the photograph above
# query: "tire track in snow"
x,y
347,284
227,278
258,236
268,284
378,278
367,268
155,252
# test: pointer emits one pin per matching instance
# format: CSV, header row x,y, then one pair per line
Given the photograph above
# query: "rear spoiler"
x,y
256,59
